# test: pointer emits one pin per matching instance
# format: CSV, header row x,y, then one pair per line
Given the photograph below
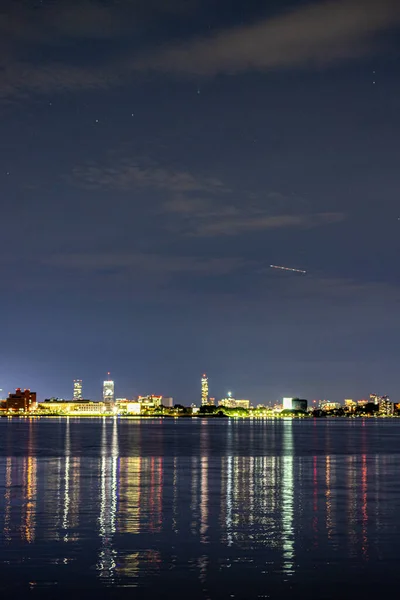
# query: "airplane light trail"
x,y
288,269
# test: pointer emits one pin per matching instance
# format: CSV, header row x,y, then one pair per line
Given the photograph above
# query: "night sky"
x,y
157,156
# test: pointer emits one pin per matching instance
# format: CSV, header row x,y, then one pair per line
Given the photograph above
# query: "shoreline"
x,y
185,416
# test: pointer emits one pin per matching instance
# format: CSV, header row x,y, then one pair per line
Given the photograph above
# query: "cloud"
x,y
315,34
200,206
43,28
204,218
129,174
152,265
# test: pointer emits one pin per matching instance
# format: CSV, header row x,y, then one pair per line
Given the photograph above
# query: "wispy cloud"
x,y
153,265
26,28
204,218
199,205
130,174
315,34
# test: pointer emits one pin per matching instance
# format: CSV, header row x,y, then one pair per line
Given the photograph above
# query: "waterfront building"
x,y
386,407
327,406
167,401
125,406
233,403
77,395
108,390
68,406
204,390
294,404
350,403
150,401
21,401
133,408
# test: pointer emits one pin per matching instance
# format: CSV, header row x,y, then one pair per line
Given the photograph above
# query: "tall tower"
x,y
204,390
77,389
108,390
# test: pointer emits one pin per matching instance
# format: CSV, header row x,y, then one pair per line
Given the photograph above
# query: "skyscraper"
x,y
108,390
204,390
77,389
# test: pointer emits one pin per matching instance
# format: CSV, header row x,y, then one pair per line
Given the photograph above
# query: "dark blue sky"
x,y
157,157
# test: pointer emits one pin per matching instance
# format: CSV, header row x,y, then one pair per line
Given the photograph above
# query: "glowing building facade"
x,y
294,404
77,389
108,390
21,401
204,390
233,403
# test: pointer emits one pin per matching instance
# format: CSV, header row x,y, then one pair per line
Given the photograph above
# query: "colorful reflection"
x,y
146,513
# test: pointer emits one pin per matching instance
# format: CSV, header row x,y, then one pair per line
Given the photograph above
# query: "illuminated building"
x,y
204,390
133,408
294,404
386,407
67,407
326,405
150,401
108,390
21,401
125,406
233,403
350,405
77,389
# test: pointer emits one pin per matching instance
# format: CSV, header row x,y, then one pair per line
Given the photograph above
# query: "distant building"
x,y
294,404
77,395
233,403
21,401
350,405
167,401
133,408
108,390
327,406
67,407
150,401
386,407
204,390
125,406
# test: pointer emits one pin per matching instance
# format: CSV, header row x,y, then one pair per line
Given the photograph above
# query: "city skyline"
x,y
108,394
152,180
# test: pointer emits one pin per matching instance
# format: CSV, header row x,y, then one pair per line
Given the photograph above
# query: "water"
x,y
199,508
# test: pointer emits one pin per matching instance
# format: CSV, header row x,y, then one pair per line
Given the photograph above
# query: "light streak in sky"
x,y
288,269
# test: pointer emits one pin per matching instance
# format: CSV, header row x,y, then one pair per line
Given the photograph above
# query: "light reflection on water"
x,y
138,511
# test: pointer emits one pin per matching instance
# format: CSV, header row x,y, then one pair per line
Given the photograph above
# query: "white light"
x,y
287,403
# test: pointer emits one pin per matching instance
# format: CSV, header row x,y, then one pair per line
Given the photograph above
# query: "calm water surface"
x,y
199,508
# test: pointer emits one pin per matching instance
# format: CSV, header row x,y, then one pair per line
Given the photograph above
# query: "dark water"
x,y
199,508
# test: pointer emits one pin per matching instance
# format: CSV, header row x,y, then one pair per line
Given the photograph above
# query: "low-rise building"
x,y
327,406
21,401
294,404
70,407
150,401
233,403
